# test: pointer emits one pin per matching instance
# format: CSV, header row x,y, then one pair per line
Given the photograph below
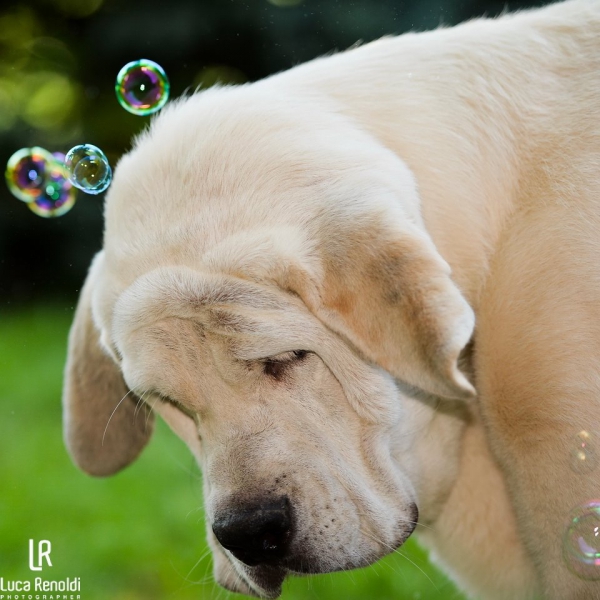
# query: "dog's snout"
x,y
255,534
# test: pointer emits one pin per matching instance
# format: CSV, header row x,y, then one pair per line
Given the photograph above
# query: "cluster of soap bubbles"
x,y
581,541
41,180
47,182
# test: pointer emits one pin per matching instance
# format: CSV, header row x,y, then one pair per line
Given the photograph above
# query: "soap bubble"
x,y
142,87
25,172
581,542
584,453
88,168
57,196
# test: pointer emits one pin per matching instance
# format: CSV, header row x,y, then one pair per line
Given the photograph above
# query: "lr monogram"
x,y
43,551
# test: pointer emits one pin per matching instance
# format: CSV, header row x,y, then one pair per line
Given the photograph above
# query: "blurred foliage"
x,y
59,59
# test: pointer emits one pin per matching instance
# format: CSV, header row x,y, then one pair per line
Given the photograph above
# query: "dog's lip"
x,y
414,520
265,580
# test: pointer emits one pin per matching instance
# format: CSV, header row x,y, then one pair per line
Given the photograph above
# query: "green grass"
x,y
140,534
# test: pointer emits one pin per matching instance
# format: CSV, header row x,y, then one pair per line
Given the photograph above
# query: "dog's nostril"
x,y
255,534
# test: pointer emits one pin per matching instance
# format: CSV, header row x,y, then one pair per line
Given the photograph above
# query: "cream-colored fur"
x,y
369,207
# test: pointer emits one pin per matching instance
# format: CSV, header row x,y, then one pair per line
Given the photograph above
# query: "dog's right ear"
x,y
104,429
386,289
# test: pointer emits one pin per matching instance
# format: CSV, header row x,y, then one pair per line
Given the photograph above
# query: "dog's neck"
x,y
469,120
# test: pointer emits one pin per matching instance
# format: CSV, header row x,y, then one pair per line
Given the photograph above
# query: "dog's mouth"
x,y
266,580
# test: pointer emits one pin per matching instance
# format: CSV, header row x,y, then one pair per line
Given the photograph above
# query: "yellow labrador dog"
x,y
365,292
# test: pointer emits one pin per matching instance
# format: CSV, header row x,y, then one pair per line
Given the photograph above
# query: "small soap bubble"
x,y
25,172
57,196
584,453
581,542
88,168
142,87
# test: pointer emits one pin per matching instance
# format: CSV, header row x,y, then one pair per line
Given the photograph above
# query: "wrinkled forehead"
x,y
220,303
196,317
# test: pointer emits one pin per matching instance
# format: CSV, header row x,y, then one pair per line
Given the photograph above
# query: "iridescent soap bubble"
x,y
58,195
584,453
25,172
88,168
581,542
142,87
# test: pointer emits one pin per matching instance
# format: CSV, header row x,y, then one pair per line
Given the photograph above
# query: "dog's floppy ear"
x,y
390,294
103,430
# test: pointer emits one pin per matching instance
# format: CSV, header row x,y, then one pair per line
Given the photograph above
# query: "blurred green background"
x,y
139,535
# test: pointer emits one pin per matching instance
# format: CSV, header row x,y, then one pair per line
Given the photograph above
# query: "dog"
x,y
365,292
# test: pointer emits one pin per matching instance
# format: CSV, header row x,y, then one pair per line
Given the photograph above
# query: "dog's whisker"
x,y
137,407
197,509
412,562
202,557
151,410
113,413
402,520
417,523
397,551
392,568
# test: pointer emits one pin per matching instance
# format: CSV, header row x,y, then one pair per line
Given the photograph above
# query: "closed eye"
x,y
276,366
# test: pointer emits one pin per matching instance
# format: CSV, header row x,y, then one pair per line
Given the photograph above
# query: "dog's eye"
x,y
276,366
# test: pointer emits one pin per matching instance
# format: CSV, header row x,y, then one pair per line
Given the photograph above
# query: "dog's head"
x,y
267,286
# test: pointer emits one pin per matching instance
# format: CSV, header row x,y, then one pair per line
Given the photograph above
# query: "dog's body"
x,y
284,216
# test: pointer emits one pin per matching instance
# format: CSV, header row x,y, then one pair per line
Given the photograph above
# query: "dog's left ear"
x,y
104,429
390,294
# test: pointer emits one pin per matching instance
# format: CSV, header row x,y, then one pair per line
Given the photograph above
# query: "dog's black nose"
x,y
255,534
